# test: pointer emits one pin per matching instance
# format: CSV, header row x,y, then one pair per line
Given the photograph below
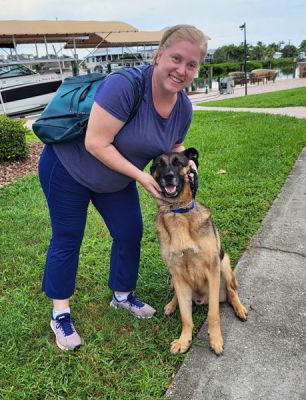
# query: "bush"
x,y
253,64
225,68
13,144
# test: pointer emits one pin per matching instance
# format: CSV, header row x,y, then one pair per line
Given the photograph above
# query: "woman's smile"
x,y
176,79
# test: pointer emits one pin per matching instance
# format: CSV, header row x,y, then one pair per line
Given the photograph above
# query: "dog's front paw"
x,y
179,346
241,312
216,344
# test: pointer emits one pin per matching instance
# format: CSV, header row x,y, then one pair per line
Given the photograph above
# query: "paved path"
x,y
298,112
265,357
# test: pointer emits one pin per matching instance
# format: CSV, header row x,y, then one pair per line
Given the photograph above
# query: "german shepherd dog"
x,y
190,246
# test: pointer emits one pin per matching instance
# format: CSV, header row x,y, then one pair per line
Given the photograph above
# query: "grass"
x,y
31,137
123,357
282,98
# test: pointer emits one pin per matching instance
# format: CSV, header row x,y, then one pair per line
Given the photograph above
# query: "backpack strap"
x,y
138,88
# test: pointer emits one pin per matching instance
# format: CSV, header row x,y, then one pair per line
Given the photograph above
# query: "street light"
x,y
245,59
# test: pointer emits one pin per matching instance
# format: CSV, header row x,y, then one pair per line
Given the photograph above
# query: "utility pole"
x,y
245,60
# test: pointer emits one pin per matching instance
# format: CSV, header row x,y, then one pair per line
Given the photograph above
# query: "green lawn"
x,y
282,98
31,137
125,358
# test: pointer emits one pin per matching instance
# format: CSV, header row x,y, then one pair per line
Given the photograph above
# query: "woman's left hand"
x,y
192,165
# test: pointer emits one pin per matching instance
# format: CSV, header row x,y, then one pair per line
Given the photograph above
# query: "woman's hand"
x,y
192,166
150,184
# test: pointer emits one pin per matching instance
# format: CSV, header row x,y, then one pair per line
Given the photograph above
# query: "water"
x,y
282,74
287,73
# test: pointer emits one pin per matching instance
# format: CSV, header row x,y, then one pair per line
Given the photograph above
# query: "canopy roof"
x,y
75,33
119,39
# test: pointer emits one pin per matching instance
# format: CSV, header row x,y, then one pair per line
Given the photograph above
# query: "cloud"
x,y
13,9
267,21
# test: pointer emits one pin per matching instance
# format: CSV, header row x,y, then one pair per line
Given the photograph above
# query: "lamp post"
x,y
245,59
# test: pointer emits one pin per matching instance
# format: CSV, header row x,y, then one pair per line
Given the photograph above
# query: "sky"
x,y
266,20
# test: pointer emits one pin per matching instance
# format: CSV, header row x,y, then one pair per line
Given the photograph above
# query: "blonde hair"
x,y
182,32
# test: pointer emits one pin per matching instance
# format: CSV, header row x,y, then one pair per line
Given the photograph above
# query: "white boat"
x,y
23,90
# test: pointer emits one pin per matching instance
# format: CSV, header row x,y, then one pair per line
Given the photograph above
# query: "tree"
x,y
289,51
302,46
233,53
220,55
257,52
227,53
270,50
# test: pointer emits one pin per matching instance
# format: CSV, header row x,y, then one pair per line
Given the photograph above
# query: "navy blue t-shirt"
x,y
146,136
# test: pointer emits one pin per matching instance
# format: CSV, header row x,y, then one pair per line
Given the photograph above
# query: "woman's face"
x,y
177,65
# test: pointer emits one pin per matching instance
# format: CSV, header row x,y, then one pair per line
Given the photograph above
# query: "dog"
x,y
190,246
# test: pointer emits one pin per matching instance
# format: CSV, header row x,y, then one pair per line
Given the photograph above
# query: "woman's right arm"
x,y
101,131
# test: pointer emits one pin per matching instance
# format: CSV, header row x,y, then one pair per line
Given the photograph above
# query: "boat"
x,y
23,90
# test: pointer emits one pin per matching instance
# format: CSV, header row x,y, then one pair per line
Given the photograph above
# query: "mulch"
x,y
11,170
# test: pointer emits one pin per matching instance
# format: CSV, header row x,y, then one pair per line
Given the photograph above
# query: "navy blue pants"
x,y
68,203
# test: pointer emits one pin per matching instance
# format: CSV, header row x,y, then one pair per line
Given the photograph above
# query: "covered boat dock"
x,y
74,34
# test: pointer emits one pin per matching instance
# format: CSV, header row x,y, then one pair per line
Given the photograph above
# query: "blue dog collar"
x,y
184,210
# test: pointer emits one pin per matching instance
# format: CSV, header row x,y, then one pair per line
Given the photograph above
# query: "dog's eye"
x,y
176,162
160,163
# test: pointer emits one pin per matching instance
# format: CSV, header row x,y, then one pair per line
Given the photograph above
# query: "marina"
x,y
24,90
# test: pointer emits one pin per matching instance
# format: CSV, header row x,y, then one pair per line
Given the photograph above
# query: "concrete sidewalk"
x,y
279,84
265,357
285,84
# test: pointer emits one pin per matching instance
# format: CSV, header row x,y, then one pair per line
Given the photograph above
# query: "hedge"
x,y
13,144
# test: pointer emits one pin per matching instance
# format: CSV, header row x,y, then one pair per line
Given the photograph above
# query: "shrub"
x,y
253,64
225,68
12,139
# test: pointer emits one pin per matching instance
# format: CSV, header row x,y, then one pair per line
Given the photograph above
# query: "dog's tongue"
x,y
170,188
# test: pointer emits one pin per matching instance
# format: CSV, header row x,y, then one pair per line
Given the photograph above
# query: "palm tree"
x,y
257,52
289,51
302,46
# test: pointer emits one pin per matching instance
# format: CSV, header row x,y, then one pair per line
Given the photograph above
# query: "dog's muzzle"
x,y
170,190
170,184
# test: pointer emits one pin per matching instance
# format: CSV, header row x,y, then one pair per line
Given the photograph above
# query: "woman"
x,y
104,169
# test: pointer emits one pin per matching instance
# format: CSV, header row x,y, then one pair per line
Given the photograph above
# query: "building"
x,y
277,55
302,55
104,60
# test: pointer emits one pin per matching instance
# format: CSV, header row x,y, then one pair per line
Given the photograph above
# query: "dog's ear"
x,y
192,154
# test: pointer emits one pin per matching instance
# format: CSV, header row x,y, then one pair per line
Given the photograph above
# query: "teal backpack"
x,y
66,116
